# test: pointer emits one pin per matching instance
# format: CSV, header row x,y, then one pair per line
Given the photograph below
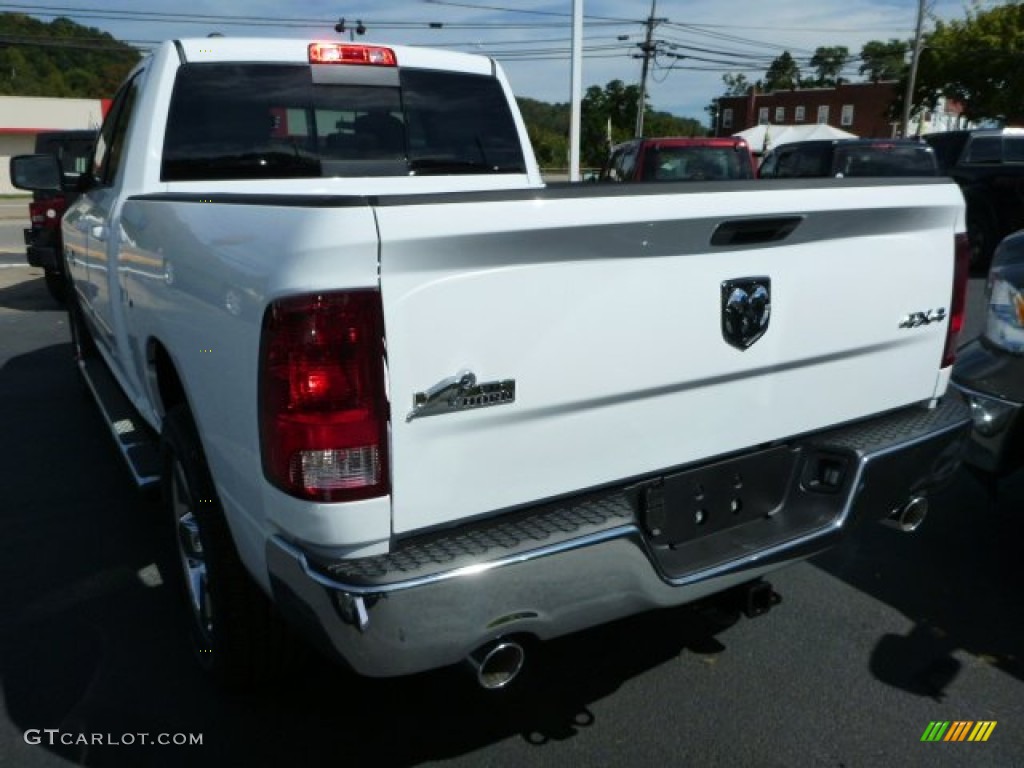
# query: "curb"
x,y
11,209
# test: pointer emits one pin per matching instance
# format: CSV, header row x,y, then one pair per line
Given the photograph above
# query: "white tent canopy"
x,y
765,136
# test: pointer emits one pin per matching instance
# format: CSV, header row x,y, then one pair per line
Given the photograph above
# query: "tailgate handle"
x,y
752,231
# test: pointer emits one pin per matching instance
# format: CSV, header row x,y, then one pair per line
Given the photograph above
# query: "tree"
x,y
828,64
60,58
736,84
614,105
611,110
979,62
884,60
783,73
548,128
665,124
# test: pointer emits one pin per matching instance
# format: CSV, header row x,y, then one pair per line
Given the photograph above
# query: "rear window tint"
x,y
808,160
1013,149
74,153
267,121
885,160
696,164
985,149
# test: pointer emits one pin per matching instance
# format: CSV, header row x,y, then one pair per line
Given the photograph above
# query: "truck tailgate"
x,y
606,310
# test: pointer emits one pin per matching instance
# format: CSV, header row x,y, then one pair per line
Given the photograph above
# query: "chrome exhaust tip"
x,y
497,663
910,516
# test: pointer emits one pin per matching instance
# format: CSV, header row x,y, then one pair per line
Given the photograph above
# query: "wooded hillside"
x,y
60,58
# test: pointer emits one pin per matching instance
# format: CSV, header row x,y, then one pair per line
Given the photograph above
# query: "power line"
x,y
501,9
773,28
267,21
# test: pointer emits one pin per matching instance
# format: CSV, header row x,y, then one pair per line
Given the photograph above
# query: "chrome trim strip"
x,y
622,531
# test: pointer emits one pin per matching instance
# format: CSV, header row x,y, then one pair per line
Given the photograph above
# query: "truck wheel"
x,y
235,634
56,285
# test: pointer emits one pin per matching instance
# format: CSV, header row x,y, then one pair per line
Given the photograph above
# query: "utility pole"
x,y
576,88
915,55
649,48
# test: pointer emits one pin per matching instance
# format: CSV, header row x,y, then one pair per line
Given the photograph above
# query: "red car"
x,y
42,239
680,159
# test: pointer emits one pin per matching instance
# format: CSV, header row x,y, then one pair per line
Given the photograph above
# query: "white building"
x,y
22,117
947,116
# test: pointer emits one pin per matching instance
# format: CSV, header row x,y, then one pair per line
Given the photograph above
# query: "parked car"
x,y
680,159
73,149
850,157
989,167
990,370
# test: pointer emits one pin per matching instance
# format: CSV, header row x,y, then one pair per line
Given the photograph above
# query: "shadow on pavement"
x,y
959,578
25,295
91,642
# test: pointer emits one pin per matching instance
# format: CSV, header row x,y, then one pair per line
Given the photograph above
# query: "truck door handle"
x,y
753,231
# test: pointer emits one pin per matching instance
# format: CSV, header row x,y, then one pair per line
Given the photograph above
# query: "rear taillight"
x,y
323,409
958,303
46,213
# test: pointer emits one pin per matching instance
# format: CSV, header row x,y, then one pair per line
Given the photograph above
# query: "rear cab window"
x,y
696,163
73,149
272,121
985,150
797,161
885,159
675,159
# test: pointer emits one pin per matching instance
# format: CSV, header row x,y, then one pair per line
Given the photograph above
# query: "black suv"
x,y
990,370
849,157
989,167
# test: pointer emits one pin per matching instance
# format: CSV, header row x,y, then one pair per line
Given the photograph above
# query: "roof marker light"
x,y
343,53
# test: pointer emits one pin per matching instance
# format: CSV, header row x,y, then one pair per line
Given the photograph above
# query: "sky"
x,y
698,40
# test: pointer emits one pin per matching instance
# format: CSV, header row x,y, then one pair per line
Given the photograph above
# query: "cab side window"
x,y
626,165
769,166
610,171
108,158
784,163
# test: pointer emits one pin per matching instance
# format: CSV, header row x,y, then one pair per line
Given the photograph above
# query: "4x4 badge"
x,y
746,310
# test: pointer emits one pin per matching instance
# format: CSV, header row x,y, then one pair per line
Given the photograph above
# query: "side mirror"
x,y
36,173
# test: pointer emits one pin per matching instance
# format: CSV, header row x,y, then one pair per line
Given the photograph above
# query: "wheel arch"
x,y
165,383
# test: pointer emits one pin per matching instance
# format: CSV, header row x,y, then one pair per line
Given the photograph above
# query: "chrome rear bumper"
x,y
583,562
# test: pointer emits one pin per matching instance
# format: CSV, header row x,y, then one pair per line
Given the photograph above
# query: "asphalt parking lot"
x,y
872,642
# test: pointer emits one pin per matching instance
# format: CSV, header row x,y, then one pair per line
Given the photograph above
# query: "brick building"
x,y
860,108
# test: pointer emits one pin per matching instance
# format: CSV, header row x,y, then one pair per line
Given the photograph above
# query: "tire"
x,y
235,635
56,285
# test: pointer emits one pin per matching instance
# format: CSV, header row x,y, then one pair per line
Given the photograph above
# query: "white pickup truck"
x,y
400,392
